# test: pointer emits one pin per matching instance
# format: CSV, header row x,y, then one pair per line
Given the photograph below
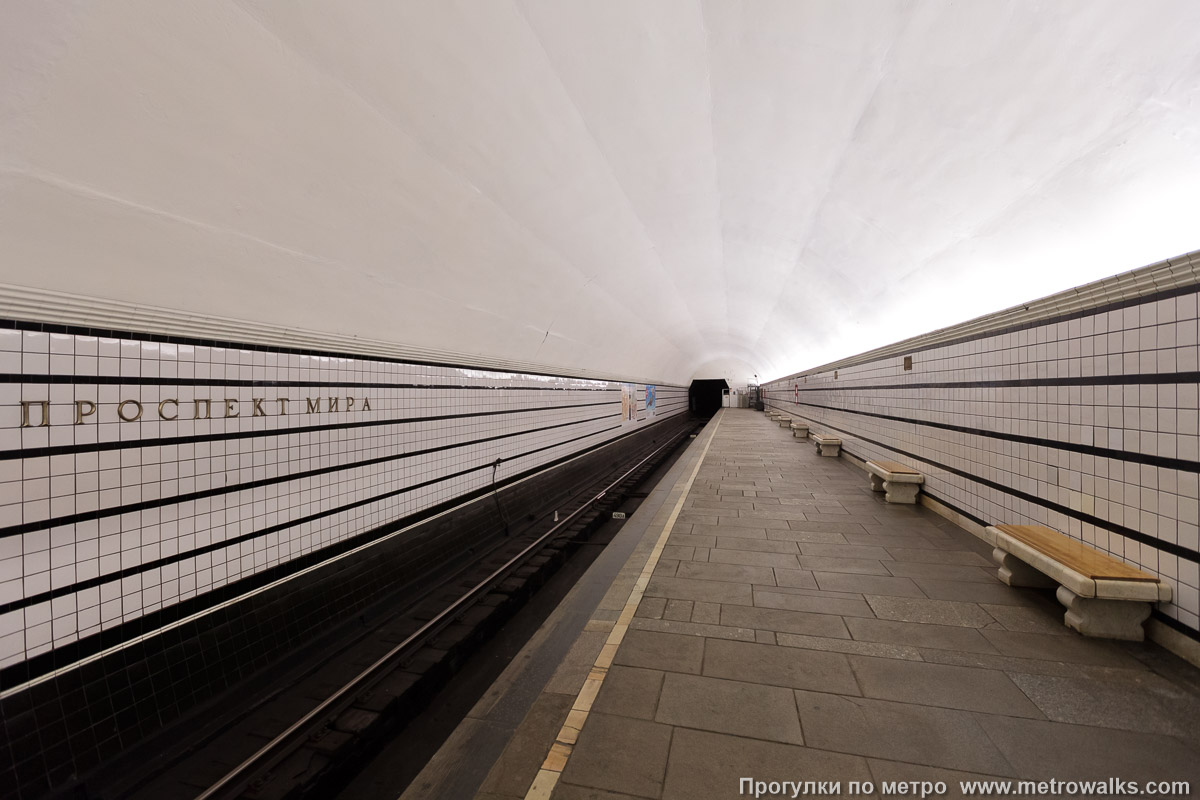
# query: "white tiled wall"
x,y
1114,395
57,526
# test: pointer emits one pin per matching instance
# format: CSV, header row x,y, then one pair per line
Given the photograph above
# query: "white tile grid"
x,y
1159,337
37,488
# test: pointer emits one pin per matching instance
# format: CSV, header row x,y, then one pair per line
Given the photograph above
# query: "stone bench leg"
x,y
1108,619
828,449
1016,572
901,492
876,483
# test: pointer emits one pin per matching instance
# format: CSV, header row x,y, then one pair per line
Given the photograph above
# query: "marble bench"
x,y
799,429
1104,597
900,482
784,421
826,445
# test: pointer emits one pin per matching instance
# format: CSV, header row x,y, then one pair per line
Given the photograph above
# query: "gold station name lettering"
x,y
36,413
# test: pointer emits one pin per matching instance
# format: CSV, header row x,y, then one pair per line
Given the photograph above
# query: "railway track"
x,y
307,736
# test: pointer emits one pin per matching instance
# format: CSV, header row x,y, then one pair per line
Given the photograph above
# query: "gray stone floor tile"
x,y
651,607
966,558
1042,750
844,527
729,531
674,552
844,551
774,619
945,572
678,610
938,737
1155,706
753,558
689,540
698,517
878,536
779,666
1071,647
936,612
795,578
965,688
995,593
1029,620
725,706
944,637
665,651
848,646
845,607
1033,666
775,512
732,573
620,754
797,502
666,568
757,545
857,566
693,629
708,591
800,537
629,692
719,504
706,613
867,584
759,523
709,766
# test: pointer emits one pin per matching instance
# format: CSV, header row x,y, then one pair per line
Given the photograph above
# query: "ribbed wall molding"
x,y
60,308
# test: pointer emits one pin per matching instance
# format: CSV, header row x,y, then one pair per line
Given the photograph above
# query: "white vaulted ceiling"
x,y
646,188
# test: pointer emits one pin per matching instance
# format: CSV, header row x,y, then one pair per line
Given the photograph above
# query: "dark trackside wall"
x,y
704,396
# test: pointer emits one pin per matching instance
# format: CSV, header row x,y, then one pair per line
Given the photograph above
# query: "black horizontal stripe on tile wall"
x,y
1165,462
1140,379
1116,305
247,537
85,516
1112,527
110,637
166,441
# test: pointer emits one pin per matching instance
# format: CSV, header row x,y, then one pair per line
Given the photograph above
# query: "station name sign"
x,y
36,413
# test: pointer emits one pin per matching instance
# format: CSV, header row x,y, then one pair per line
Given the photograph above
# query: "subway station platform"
x,y
764,616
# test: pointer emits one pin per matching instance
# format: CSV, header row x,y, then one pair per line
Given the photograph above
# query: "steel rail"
x,y
274,751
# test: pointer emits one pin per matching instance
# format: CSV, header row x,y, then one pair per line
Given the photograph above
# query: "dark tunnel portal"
x,y
704,397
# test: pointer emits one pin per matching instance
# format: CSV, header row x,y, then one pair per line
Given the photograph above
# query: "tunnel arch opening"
x,y
704,395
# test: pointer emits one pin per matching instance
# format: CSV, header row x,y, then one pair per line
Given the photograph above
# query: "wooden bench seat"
x,y
826,445
1104,596
901,482
799,429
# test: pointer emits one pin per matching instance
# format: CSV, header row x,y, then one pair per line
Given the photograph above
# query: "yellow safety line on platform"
x,y
556,761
